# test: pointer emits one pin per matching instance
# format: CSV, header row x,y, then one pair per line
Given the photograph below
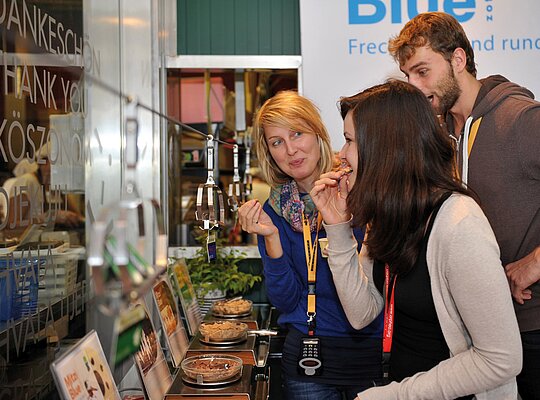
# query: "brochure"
x,y
186,293
173,330
151,363
82,373
127,334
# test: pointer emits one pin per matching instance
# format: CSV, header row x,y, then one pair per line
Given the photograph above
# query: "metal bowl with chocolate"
x,y
223,332
232,308
212,368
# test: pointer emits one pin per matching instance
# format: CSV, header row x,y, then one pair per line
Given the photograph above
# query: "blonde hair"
x,y
289,110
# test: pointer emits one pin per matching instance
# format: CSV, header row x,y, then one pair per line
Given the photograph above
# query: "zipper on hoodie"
x,y
461,149
457,142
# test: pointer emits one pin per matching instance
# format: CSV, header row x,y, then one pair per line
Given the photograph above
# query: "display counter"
x,y
254,380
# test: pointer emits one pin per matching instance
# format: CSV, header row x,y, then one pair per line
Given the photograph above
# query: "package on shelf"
x,y
19,282
58,277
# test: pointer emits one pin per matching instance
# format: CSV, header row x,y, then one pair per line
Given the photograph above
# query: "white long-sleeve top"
x,y
472,300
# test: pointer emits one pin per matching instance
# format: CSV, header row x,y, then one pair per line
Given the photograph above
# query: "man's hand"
x,y
523,273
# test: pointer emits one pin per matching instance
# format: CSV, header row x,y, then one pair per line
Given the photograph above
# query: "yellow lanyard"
x,y
310,250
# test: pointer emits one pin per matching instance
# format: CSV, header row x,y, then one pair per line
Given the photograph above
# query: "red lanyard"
x,y
389,310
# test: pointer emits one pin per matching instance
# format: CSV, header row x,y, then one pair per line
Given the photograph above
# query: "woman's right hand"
x,y
254,220
329,194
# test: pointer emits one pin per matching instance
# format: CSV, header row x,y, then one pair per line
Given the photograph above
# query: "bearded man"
x,y
496,126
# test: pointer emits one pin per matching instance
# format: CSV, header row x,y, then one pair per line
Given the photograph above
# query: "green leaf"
x,y
222,274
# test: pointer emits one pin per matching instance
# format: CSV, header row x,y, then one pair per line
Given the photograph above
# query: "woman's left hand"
x,y
253,219
329,194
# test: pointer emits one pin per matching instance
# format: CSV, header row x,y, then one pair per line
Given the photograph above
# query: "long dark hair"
x,y
405,164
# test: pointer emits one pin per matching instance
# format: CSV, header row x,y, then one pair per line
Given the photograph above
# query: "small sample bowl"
x,y
220,331
211,368
232,308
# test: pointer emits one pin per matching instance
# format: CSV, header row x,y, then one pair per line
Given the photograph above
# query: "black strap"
x,y
435,211
378,264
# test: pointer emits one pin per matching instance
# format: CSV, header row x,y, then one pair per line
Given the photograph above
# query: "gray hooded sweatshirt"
x,y
504,170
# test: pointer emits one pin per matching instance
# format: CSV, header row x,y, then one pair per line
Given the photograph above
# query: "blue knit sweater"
x,y
286,282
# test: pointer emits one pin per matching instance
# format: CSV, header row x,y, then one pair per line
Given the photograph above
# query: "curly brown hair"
x,y
438,30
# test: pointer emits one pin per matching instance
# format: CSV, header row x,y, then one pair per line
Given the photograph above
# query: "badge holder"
x,y
310,358
210,211
310,362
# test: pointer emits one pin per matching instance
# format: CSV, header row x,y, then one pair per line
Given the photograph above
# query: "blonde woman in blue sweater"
x,y
293,149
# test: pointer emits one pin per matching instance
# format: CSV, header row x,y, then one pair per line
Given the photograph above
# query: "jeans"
x,y
299,390
529,379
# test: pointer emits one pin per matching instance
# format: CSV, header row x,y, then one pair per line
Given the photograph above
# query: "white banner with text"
x,y
345,44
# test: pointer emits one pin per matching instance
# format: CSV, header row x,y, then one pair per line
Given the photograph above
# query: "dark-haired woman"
x,y
429,259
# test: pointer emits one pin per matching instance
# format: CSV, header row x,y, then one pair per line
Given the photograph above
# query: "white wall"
x,y
341,58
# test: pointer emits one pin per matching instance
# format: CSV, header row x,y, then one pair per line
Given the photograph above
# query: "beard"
x,y
449,90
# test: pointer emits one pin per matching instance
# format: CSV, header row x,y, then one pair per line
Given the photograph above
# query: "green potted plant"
x,y
221,277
